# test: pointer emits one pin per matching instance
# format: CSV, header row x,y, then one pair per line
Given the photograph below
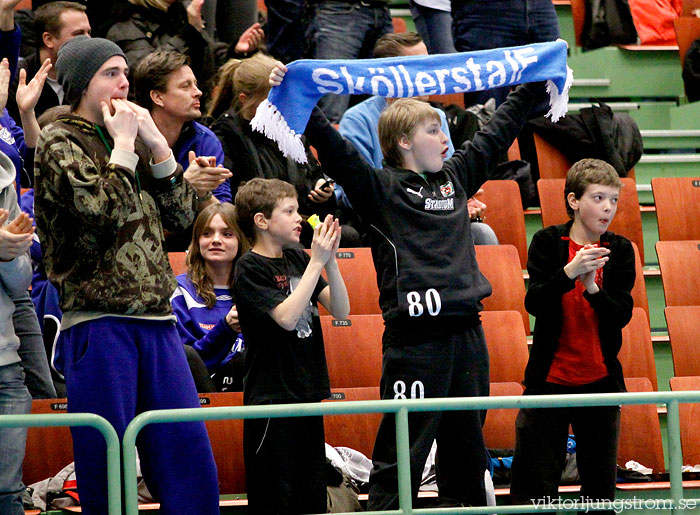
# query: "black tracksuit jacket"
x,y
547,257
421,243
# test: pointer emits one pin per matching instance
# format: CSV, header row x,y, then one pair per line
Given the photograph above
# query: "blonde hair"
x,y
401,118
248,76
154,4
196,266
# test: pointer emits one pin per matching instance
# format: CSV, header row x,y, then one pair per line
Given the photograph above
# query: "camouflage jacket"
x,y
101,225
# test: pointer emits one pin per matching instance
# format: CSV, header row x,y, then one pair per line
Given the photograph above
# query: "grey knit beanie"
x,y
78,61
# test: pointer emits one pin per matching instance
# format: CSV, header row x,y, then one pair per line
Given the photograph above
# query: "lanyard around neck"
x,y
109,149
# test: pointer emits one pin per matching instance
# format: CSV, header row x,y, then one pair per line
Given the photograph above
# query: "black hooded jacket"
x,y
419,227
548,254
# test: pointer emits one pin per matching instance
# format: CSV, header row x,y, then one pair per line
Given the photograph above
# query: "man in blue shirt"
x,y
165,85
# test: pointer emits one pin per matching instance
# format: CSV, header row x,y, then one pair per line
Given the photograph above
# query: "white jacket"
x,y
15,275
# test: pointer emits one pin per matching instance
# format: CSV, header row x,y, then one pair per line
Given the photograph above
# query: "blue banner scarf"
x,y
283,116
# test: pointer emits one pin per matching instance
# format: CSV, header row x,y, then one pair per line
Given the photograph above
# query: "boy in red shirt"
x,y
581,277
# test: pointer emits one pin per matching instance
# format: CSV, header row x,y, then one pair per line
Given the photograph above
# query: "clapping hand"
x,y
203,174
194,14
326,240
250,39
4,82
28,94
7,14
15,237
9,5
585,264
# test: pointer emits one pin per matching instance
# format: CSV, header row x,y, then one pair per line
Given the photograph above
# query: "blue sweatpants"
x,y
117,368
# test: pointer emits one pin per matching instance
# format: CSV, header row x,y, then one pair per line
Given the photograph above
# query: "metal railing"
x,y
114,501
401,408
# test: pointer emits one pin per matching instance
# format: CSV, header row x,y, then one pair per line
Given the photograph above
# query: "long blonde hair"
x,y
196,266
249,76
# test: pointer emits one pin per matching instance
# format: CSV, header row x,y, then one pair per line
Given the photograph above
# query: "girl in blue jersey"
x,y
207,319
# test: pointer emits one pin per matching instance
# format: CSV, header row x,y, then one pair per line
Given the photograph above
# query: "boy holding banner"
x,y
431,289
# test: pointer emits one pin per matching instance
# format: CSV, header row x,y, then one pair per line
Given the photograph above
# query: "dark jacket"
x,y
48,96
250,154
595,132
147,29
11,134
608,22
419,228
548,254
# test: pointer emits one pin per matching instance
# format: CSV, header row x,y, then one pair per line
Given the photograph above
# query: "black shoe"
x,y
446,502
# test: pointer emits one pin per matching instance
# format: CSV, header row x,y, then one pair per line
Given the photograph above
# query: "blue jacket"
x,y
9,47
203,142
204,328
13,146
44,294
11,134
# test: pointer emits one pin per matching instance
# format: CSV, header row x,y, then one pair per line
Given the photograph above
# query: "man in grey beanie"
x,y
78,62
106,187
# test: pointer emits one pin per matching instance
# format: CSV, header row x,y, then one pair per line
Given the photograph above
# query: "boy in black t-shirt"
x,y
276,289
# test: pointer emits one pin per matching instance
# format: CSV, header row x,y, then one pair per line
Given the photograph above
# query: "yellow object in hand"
x,y
314,220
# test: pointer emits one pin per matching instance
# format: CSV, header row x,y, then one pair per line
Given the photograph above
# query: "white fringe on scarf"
x,y
559,102
270,122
